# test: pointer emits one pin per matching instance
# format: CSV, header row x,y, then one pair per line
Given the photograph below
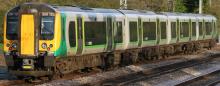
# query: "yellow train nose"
x,y
27,35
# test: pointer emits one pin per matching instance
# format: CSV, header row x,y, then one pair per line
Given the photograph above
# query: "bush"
x,y
1,47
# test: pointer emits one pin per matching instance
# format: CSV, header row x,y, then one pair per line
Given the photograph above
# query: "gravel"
x,y
115,73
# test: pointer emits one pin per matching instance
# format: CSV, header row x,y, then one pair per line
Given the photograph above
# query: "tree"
x,y
152,5
180,7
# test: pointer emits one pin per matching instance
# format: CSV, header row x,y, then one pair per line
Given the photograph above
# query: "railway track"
x,y
134,77
144,75
211,79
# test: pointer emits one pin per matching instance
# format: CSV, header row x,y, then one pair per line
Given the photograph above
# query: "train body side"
x,y
40,39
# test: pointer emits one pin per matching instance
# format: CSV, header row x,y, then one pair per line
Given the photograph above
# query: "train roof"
x,y
101,10
143,12
129,12
84,9
71,8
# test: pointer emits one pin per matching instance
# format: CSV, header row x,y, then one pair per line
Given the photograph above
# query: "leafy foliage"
x,y
1,46
180,7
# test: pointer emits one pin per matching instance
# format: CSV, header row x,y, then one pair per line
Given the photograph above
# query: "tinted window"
x,y
133,31
208,28
163,30
119,38
173,29
95,33
47,27
193,28
184,32
72,34
12,27
200,29
149,31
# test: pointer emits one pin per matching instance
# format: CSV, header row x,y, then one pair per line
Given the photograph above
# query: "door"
x,y
178,30
158,31
110,37
80,37
140,31
27,35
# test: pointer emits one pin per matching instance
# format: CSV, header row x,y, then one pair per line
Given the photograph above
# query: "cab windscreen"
x,y
47,27
12,27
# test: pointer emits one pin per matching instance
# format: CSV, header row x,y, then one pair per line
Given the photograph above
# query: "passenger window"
x,y
184,32
72,34
208,28
200,29
119,37
95,33
173,29
149,31
193,28
163,27
133,31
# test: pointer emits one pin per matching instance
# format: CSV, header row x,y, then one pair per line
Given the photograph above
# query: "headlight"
x,y
51,45
44,45
14,45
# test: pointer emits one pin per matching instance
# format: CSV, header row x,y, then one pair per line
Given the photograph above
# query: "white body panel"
x,y
129,18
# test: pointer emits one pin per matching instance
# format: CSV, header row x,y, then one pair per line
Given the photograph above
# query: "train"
x,y
42,40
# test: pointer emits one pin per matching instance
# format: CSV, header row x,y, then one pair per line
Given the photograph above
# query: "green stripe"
x,y
193,38
151,42
119,43
208,36
163,41
62,51
95,46
184,39
173,40
200,37
133,42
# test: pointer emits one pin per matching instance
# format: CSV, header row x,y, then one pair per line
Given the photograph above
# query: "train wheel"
x,y
50,77
212,44
107,62
58,72
141,56
148,54
184,49
110,60
30,80
20,77
122,62
124,59
134,58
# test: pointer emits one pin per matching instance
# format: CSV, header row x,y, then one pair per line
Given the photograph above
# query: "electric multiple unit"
x,y
40,39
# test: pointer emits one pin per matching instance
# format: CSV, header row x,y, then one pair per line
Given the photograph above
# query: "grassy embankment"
x,y
1,47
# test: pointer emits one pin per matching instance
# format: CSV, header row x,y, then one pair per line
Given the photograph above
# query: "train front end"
x,y
31,39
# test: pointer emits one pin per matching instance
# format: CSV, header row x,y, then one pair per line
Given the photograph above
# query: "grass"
x,y
1,46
